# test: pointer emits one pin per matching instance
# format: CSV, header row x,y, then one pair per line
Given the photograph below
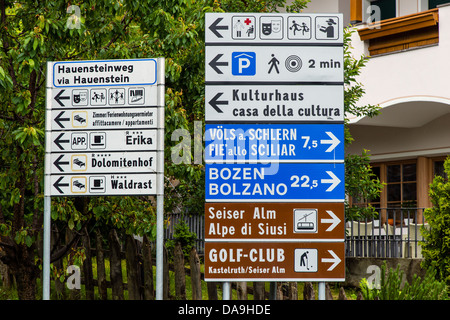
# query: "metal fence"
x,y
396,232
196,224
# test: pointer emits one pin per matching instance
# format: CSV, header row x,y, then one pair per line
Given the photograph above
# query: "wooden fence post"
x,y
308,292
101,271
180,275
241,289
292,291
259,290
196,283
148,269
116,267
212,290
132,268
87,266
166,278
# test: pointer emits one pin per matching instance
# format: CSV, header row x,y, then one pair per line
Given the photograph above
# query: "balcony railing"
x,y
395,233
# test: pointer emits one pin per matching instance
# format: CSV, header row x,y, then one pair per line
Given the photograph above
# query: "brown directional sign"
x,y
307,221
277,261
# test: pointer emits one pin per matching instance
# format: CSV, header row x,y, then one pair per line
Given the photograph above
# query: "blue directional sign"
x,y
275,181
251,143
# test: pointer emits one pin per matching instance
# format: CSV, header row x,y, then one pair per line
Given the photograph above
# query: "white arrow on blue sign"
x,y
275,143
300,182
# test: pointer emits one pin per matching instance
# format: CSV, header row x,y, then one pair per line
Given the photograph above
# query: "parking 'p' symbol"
x,y
243,63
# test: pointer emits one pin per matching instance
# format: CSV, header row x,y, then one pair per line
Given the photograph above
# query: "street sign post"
x,y
274,147
104,136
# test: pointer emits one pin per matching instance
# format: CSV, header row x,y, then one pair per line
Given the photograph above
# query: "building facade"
x,y
408,45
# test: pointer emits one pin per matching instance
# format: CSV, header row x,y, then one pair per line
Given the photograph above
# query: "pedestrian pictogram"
x,y
273,63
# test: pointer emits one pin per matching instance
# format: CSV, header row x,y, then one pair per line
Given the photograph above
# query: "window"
x,y
388,8
401,186
438,169
434,3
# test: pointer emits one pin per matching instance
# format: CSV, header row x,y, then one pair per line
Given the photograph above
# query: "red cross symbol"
x,y
247,21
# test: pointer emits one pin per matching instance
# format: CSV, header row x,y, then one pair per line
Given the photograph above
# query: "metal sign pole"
x,y
321,286
47,198
46,257
160,181
159,246
226,291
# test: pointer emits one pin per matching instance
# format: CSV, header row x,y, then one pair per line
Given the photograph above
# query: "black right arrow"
x,y
214,27
58,119
215,63
58,98
58,141
58,163
214,102
57,184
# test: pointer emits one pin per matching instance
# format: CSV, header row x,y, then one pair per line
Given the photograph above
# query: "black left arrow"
x,y
215,102
59,119
58,98
58,141
57,185
215,26
215,63
58,163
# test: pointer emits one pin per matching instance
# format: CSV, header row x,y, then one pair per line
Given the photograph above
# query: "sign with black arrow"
x,y
59,98
104,184
274,103
215,63
94,119
113,140
215,27
104,162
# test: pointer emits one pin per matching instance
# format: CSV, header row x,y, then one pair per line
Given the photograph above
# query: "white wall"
x,y
389,143
418,72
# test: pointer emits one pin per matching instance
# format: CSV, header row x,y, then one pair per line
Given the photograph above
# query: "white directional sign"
x,y
104,73
274,103
104,184
113,140
99,97
95,119
104,127
290,28
104,162
274,64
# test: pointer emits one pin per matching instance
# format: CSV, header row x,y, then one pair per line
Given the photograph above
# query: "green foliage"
x,y
360,182
436,244
391,287
184,236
